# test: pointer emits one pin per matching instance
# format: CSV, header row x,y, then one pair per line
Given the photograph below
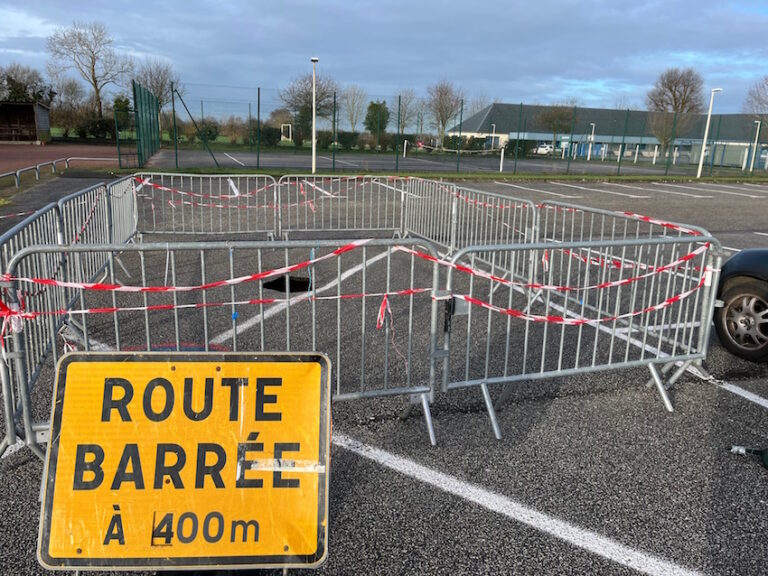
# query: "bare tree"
x,y
443,101
674,99
557,118
352,100
756,103
87,48
477,103
407,108
68,107
757,98
297,97
21,83
278,117
158,76
421,109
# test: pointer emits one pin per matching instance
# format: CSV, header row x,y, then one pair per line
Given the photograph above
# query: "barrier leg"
x,y
428,419
491,411
660,387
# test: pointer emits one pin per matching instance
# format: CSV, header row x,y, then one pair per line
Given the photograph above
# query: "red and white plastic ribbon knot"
x,y
384,309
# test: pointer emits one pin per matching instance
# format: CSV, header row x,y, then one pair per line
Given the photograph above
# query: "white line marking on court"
x,y
580,537
253,320
339,161
535,190
233,158
662,191
714,190
599,190
761,233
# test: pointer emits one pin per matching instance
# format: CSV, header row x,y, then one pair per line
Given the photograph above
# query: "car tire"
x,y
742,322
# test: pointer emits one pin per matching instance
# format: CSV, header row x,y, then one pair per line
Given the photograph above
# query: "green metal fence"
x,y
147,116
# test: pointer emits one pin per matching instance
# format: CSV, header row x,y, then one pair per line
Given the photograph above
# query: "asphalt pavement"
x,y
592,475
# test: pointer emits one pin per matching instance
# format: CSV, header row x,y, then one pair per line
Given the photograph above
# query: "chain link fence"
x,y
235,125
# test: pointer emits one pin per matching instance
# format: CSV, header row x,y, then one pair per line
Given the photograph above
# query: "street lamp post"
x,y
706,130
754,148
314,61
591,142
493,135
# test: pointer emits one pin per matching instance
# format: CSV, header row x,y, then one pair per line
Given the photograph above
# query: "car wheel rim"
x,y
747,322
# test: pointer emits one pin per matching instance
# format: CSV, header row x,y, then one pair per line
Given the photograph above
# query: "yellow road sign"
x,y
187,460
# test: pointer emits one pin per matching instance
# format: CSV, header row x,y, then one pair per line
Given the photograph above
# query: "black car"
x,y
741,315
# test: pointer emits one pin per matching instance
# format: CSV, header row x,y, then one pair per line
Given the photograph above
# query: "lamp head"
x,y
314,59
717,89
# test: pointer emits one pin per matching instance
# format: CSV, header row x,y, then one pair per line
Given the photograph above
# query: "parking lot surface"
x,y
592,475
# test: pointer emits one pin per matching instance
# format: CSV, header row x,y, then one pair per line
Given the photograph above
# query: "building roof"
x,y
511,118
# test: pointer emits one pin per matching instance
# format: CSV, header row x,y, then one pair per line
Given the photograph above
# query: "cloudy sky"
x,y
599,52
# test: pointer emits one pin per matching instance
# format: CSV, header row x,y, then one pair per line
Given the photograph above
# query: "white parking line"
x,y
233,158
574,535
746,394
535,190
728,186
601,191
253,320
761,233
719,191
662,191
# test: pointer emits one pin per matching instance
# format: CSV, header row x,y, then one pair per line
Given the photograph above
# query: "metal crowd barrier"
x,y
16,174
192,204
332,304
443,284
78,219
579,307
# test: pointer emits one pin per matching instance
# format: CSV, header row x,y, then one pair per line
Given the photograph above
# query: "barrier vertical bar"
x,y
258,125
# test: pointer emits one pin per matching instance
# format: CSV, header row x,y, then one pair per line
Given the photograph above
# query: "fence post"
x,y
175,130
517,143
333,144
714,143
458,146
117,144
258,125
570,141
671,145
250,129
623,140
397,139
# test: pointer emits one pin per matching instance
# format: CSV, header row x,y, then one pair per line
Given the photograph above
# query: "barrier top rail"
x,y
684,228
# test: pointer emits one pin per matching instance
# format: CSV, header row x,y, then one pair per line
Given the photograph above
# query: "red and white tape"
x,y
546,264
577,321
16,215
99,286
250,194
